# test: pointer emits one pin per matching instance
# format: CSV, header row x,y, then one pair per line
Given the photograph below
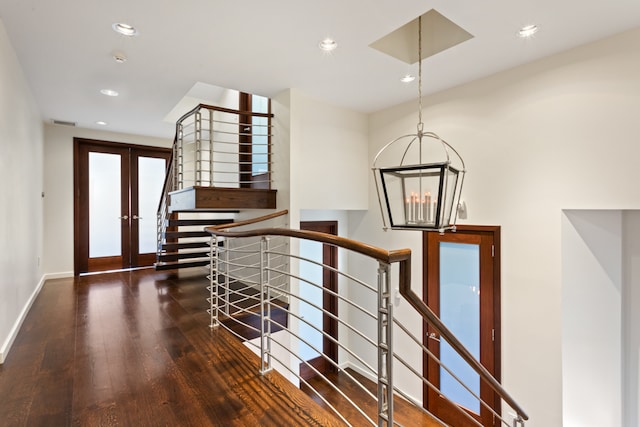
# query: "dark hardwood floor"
x,y
134,349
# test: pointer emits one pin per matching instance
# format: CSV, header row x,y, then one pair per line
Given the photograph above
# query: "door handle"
x,y
125,217
433,336
136,217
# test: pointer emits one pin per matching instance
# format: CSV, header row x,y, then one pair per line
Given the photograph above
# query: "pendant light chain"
x,y
420,124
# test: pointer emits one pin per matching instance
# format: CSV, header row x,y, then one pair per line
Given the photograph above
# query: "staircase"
x,y
220,165
184,242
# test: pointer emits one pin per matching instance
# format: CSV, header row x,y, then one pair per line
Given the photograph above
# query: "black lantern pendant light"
x,y
419,176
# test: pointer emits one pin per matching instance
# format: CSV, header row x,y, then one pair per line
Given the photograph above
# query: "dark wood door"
x,y
329,301
116,189
462,286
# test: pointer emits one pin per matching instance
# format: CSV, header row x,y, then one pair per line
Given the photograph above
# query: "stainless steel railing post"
x,y
214,265
385,347
198,150
265,309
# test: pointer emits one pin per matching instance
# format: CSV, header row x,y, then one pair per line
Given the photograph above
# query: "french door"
x,y
462,286
116,196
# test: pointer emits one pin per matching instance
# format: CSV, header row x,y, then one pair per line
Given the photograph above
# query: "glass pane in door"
x,y
311,326
460,311
105,233
260,135
151,173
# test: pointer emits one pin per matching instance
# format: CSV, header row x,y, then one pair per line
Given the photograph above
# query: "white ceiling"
x,y
264,47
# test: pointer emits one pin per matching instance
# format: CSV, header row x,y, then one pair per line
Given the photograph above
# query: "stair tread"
x,y
178,264
179,234
174,256
201,221
172,246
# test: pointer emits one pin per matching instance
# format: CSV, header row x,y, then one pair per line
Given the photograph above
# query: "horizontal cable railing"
x,y
368,367
221,147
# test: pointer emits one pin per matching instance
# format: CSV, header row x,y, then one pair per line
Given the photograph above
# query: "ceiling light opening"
x,y
328,45
407,78
109,92
528,31
124,29
119,57
101,123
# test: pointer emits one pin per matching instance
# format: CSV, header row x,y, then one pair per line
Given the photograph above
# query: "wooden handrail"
x,y
342,242
247,221
435,322
222,110
403,258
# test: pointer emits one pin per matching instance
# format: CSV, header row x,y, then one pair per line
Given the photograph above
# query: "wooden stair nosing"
x,y
181,234
173,246
178,264
175,256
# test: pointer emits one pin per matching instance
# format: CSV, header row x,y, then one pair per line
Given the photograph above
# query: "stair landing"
x,y
214,198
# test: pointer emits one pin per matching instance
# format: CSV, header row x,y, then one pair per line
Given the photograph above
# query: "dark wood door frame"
x,y
81,149
329,301
492,299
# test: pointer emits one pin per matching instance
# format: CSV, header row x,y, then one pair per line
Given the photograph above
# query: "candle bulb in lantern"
x,y
435,212
427,199
407,209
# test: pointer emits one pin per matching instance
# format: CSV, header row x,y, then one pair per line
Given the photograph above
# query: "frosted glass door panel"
x,y
460,311
105,232
151,172
313,294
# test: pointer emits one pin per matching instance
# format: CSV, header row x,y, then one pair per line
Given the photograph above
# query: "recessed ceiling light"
x,y
528,31
119,57
101,123
109,92
328,45
124,29
408,78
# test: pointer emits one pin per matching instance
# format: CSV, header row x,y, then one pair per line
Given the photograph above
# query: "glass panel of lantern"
x,y
420,196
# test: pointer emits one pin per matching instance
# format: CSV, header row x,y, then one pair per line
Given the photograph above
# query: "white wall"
x,y
58,187
631,318
560,133
21,207
592,318
329,155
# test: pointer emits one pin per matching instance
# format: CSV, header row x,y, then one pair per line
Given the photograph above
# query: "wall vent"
x,y
63,123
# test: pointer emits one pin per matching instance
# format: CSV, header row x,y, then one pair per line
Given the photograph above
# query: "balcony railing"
x,y
220,147
255,277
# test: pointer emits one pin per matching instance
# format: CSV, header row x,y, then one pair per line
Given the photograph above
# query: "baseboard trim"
x,y
61,275
6,346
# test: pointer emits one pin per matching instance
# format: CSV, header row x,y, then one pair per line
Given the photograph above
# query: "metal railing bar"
x,y
245,255
439,362
340,297
305,382
243,267
241,248
239,309
342,346
435,322
328,267
329,383
442,365
340,321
